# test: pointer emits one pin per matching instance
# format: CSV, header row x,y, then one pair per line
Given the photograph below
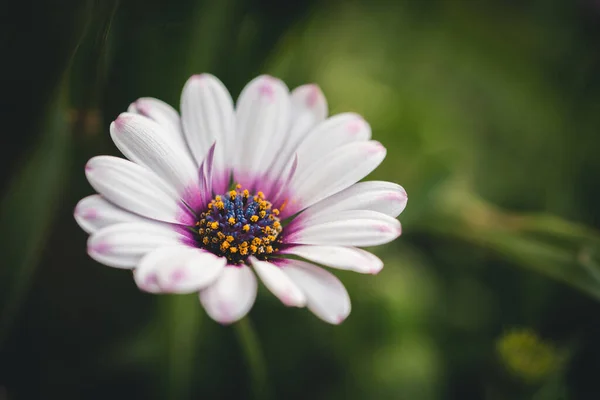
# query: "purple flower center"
x,y
237,226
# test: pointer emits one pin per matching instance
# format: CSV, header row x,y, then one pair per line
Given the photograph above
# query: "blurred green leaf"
x,y
27,211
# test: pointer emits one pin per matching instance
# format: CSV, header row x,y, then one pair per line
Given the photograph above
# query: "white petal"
x,y
178,269
94,212
123,245
279,283
308,109
326,296
134,188
231,296
330,135
142,141
341,169
262,120
344,228
163,114
385,197
208,117
346,258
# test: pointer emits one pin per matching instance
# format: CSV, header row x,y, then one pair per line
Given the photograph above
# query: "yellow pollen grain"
x,y
253,248
220,205
214,240
233,249
269,249
217,198
276,224
214,225
260,195
224,246
238,186
246,228
221,235
232,194
254,218
231,220
243,251
210,205
256,241
275,211
262,214
229,238
246,193
205,240
244,244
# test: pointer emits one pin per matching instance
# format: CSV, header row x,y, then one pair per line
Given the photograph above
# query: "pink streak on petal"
x,y
353,127
340,319
90,214
178,275
199,77
375,148
394,196
266,89
313,95
121,121
142,108
101,247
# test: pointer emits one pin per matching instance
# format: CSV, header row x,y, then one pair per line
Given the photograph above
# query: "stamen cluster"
x,y
237,225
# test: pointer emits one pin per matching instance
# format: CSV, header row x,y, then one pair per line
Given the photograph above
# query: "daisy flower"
x,y
213,197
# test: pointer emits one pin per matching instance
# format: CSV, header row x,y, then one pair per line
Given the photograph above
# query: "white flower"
x,y
208,196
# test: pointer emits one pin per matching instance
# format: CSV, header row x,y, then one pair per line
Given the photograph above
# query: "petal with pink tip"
x,y
207,116
262,120
94,212
340,257
308,109
231,296
279,283
385,197
124,245
341,169
163,114
326,296
344,228
178,269
134,188
142,141
329,136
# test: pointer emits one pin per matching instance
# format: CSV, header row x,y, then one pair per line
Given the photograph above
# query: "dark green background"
x,y
490,111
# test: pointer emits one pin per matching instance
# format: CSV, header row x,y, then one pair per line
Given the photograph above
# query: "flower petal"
x,y
207,116
326,296
123,245
341,169
346,258
178,269
279,283
262,120
308,109
344,228
134,188
231,296
142,141
330,135
163,114
385,197
94,212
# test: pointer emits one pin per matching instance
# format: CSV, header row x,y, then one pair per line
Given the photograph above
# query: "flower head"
x,y
211,195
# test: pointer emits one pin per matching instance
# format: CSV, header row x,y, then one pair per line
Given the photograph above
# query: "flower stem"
x,y
182,316
255,360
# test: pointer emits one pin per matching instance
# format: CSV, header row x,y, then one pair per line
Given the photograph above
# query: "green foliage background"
x,y
490,112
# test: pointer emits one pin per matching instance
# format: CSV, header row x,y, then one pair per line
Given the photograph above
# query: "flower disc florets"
x,y
237,226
